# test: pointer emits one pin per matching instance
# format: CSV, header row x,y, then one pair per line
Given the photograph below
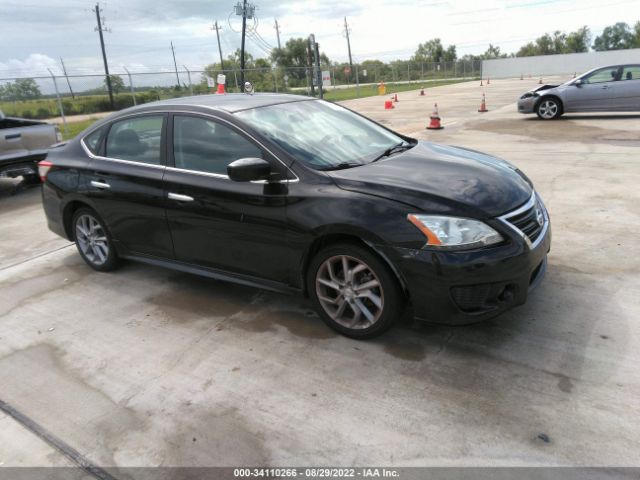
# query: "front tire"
x,y
549,108
93,240
354,292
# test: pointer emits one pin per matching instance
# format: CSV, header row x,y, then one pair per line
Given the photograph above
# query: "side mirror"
x,y
248,169
577,82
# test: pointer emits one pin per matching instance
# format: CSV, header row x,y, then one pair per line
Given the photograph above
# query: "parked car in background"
x,y
299,195
23,143
607,89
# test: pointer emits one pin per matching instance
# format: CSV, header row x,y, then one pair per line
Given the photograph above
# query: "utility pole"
x,y
318,72
173,52
217,29
64,70
277,27
244,30
310,64
104,55
346,32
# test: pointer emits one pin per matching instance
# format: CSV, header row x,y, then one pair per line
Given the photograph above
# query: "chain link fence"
x,y
49,96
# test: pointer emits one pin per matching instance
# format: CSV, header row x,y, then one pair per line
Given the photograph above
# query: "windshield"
x,y
321,134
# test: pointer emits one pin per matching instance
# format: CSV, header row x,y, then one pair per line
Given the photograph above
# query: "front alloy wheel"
x,y
349,292
548,109
93,241
355,292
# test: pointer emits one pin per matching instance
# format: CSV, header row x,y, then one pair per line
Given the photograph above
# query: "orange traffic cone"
x,y
388,105
395,98
434,124
488,80
483,105
221,88
422,92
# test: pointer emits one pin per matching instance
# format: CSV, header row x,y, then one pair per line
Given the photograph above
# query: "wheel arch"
x,y
68,210
331,238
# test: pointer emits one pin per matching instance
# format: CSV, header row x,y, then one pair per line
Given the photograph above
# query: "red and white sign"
x,y
326,78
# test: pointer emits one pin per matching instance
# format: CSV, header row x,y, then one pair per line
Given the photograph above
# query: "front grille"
x,y
527,220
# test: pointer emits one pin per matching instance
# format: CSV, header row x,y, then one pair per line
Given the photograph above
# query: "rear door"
x,y
215,222
124,182
626,93
594,93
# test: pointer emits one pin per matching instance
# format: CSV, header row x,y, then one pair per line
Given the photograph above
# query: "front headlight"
x,y
454,232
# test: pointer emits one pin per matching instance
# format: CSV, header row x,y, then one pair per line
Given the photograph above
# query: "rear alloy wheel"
x,y
354,291
549,109
93,242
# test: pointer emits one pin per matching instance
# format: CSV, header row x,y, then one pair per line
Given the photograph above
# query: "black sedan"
x,y
299,195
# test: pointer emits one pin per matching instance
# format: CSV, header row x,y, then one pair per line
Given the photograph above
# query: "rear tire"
x,y
93,240
549,108
354,291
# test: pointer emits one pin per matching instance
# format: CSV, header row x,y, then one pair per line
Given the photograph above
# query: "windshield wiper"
x,y
400,147
341,166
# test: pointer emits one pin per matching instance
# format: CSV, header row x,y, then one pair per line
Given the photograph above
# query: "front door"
x,y
593,93
215,222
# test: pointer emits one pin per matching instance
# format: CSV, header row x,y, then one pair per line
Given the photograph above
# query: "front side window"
x,y
631,72
206,146
321,134
601,76
136,139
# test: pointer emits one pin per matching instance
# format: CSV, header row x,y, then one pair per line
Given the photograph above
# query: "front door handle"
x,y
180,198
100,185
605,87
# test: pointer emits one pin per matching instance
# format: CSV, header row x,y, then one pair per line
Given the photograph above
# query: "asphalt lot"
x,y
146,367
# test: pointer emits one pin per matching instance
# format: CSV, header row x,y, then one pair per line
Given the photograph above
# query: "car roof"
x,y
229,102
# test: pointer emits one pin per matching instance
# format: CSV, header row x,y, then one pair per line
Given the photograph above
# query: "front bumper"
x,y
526,105
457,288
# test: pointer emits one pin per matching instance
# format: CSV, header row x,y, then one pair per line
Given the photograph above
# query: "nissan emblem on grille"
x,y
539,216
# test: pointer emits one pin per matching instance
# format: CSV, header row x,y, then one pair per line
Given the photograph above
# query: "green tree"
x,y
557,42
22,89
117,84
493,52
615,37
433,51
293,59
578,41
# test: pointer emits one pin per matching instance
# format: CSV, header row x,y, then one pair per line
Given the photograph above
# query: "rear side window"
x,y
632,72
205,146
136,139
92,141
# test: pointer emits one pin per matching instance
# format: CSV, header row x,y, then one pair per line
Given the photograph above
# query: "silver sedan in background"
x,y
606,89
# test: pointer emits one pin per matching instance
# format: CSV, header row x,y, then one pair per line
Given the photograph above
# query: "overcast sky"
x,y
34,34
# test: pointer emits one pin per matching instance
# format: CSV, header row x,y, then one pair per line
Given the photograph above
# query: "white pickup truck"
x,y
23,143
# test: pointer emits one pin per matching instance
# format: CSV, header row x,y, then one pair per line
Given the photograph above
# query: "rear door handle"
x,y
605,87
180,198
12,136
101,185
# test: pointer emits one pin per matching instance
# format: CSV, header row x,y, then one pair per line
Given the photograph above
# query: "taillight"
x,y
43,168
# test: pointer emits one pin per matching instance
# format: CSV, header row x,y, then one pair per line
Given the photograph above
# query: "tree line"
x,y
292,60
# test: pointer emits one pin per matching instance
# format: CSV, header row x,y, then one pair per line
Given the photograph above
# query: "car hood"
x,y
442,179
